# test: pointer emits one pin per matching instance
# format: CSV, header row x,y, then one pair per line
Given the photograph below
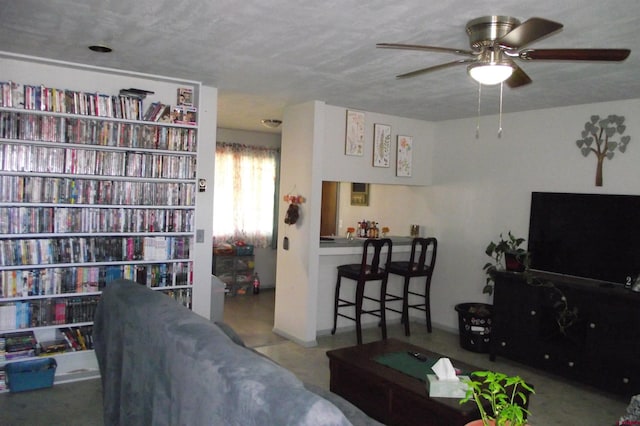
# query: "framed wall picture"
x,y
354,139
403,157
359,194
381,145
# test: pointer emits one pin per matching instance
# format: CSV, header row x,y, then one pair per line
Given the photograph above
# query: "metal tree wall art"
x,y
601,131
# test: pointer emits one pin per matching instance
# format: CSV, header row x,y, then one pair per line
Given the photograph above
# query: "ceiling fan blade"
x,y
518,78
425,48
575,54
529,31
435,68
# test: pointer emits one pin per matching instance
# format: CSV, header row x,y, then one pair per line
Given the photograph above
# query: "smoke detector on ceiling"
x,y
100,48
271,123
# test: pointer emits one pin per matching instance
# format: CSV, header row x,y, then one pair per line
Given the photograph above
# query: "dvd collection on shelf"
x,y
41,98
90,279
26,220
86,131
24,344
46,312
79,164
104,173
50,251
44,159
36,189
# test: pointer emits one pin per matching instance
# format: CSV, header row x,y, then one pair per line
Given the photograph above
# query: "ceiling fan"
x,y
497,40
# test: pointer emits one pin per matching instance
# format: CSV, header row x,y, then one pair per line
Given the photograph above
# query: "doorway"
x,y
329,208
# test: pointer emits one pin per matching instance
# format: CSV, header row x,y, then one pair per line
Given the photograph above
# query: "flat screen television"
x,y
594,236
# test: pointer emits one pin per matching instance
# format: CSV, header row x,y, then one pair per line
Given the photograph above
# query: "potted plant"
x,y
507,397
507,254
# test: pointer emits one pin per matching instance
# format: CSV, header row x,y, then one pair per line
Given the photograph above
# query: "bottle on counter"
x,y
256,283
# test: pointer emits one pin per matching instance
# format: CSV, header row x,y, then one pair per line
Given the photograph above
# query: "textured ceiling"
x,y
265,54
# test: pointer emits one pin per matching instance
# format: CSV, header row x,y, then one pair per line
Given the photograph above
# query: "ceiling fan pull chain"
x,y
478,118
500,115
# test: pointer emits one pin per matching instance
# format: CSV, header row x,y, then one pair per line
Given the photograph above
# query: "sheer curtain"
x,y
244,194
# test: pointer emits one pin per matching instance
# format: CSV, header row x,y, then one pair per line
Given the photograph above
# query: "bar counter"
x,y
343,251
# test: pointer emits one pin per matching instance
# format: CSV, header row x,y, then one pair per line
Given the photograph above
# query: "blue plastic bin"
x,y
30,375
246,250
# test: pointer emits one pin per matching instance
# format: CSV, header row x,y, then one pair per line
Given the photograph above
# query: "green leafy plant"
x,y
507,396
506,253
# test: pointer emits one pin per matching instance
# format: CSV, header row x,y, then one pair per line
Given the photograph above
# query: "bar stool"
x,y
425,249
362,273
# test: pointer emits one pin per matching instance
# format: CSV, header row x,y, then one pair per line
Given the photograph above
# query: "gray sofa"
x,y
162,364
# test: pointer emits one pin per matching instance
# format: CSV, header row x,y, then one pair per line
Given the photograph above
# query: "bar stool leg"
x,y
427,306
335,305
405,306
383,310
359,297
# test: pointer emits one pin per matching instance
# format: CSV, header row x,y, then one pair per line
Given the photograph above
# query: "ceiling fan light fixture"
x,y
491,68
490,74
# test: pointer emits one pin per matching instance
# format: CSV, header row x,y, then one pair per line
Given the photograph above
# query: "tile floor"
x,y
557,402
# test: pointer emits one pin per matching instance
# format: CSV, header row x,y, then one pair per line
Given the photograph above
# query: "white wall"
x,y
264,139
265,257
336,166
483,187
479,188
208,116
313,151
297,267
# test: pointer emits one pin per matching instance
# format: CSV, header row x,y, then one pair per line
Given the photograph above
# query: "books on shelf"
x,y
38,189
47,312
95,187
59,250
19,345
88,162
17,284
34,220
25,344
87,131
123,106
12,94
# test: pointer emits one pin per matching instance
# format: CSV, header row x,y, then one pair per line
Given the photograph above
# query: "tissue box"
x,y
446,388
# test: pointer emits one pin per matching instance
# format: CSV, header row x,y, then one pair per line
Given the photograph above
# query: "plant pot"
x,y
513,262
474,326
479,423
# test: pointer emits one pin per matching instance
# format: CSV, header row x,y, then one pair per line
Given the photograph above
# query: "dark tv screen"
x,y
594,236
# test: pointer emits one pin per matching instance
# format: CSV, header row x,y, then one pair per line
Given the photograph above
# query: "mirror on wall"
x,y
359,194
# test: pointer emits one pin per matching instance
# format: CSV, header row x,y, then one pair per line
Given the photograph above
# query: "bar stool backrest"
x,y
375,244
421,246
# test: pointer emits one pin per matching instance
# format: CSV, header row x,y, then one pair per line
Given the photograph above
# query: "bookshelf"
x,y
92,189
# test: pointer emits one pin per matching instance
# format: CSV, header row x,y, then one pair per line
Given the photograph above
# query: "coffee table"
x,y
391,396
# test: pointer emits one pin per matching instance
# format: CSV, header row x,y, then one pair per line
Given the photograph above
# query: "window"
x,y
244,194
